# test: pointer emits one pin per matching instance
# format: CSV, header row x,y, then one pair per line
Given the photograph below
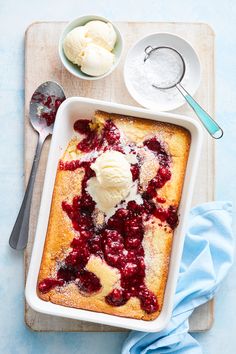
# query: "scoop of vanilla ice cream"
x,y
101,33
96,60
74,44
105,198
113,169
113,180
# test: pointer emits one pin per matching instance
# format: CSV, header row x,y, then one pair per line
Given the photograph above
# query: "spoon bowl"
x,y
43,106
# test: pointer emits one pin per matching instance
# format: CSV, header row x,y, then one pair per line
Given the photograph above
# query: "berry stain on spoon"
x,y
47,107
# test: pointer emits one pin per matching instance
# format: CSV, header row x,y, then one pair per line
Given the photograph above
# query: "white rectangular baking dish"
x,y
78,107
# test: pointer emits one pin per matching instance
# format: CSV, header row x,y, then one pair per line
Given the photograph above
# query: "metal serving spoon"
x,y
43,107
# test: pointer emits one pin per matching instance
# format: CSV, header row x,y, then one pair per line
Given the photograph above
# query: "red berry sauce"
x,y
48,284
135,170
159,150
82,126
50,106
110,136
119,240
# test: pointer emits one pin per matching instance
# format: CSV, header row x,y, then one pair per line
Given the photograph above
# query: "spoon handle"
x,y
19,236
209,123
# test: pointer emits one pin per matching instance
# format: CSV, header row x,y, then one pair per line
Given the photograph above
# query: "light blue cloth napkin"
x,y
207,257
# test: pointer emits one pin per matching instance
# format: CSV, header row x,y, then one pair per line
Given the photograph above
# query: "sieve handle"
x,y
148,51
209,123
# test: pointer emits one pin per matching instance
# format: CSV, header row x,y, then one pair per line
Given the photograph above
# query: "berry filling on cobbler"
x,y
118,241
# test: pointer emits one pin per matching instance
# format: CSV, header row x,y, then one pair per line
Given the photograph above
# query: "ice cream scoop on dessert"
x,y
90,47
113,180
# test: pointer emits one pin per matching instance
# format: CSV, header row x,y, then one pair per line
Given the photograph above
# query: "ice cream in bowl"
x,y
90,47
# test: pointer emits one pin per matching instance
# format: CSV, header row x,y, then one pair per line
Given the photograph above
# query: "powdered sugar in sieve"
x,y
164,67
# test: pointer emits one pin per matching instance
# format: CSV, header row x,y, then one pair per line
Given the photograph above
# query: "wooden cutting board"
x,y
42,63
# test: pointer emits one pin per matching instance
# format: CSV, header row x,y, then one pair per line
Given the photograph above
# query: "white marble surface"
x,y
15,16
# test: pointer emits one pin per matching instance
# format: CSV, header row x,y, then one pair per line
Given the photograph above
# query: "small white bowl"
x,y
158,100
75,69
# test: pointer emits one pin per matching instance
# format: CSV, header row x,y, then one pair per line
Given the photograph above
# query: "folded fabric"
x,y
207,257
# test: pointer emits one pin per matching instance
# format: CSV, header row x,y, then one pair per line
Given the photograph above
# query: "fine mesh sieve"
x,y
166,68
